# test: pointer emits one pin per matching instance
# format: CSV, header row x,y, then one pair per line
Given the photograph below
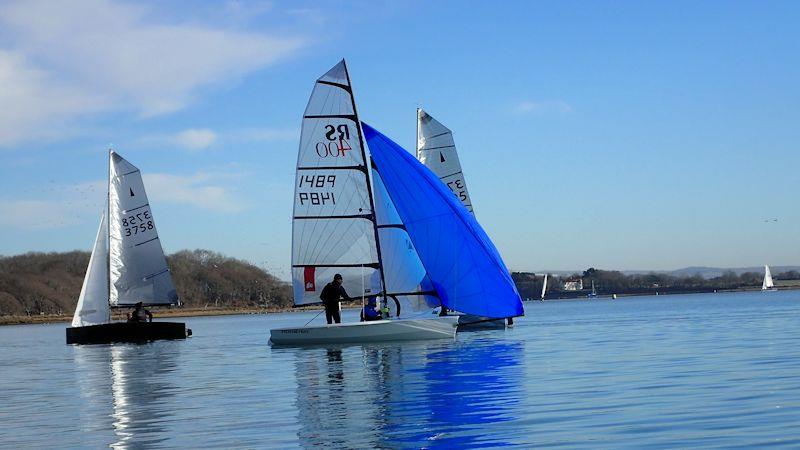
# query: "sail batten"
x,y
460,260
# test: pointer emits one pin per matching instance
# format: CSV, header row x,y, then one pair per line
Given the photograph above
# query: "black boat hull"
x,y
126,332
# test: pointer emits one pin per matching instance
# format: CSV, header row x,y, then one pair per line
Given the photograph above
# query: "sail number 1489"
x,y
316,181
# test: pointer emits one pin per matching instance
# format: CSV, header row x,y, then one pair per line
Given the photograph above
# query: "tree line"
x,y
615,282
50,283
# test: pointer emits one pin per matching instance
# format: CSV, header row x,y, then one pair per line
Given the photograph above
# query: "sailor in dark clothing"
x,y
370,311
140,314
330,296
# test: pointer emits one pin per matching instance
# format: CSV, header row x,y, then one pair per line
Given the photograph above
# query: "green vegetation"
x,y
49,283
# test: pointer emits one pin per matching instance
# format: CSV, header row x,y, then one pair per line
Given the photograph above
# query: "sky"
x,y
617,135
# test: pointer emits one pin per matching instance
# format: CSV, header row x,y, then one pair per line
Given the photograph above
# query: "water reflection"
x,y
137,380
409,395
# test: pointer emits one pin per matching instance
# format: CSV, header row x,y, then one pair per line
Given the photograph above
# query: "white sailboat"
x,y
127,266
593,294
768,285
344,222
544,287
437,150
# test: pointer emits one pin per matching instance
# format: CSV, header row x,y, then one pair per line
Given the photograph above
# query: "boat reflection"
x,y
409,395
137,380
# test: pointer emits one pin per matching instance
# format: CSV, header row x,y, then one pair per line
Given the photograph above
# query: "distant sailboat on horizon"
x,y
593,294
544,287
768,285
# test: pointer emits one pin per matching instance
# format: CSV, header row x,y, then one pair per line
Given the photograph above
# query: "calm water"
x,y
689,371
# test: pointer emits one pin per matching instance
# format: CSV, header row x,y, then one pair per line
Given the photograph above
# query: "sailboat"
x,y
593,294
127,266
436,149
768,284
344,222
544,287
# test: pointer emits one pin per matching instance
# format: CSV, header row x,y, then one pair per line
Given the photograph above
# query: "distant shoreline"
x,y
119,315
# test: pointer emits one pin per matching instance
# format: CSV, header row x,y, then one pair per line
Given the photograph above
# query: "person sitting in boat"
x,y
139,314
370,311
330,296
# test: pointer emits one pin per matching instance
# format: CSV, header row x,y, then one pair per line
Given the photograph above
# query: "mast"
x,y
367,168
108,229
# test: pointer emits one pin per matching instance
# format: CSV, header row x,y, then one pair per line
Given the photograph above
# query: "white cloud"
x,y
195,139
36,214
64,60
543,107
198,190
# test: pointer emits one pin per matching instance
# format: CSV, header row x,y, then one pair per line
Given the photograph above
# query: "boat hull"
x,y
470,322
126,332
368,332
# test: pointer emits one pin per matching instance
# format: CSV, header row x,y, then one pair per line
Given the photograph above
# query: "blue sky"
x,y
619,135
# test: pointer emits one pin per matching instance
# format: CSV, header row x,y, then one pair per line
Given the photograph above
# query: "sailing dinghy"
x,y
465,269
544,287
127,266
768,285
344,222
436,149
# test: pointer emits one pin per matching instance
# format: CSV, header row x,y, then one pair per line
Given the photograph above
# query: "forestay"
x,y
333,226
437,150
464,266
138,270
92,306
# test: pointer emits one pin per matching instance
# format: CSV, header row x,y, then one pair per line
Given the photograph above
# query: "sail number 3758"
x,y
137,223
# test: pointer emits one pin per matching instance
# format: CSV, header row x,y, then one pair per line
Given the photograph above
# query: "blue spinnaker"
x,y
462,262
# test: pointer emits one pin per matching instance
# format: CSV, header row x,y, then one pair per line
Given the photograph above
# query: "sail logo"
x,y
337,145
308,279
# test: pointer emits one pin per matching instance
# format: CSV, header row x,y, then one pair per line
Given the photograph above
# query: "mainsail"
x,y
334,229
437,150
767,284
462,263
138,270
92,306
544,286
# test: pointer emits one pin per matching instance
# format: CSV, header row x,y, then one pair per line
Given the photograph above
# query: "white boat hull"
x,y
367,332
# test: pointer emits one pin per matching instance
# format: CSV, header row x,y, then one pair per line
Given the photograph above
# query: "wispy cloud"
x,y
64,60
65,205
543,107
202,190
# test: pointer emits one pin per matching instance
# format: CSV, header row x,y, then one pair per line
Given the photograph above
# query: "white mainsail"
x,y
138,270
544,286
437,150
767,284
92,306
334,229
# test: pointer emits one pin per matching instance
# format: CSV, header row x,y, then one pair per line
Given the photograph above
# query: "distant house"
x,y
573,284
